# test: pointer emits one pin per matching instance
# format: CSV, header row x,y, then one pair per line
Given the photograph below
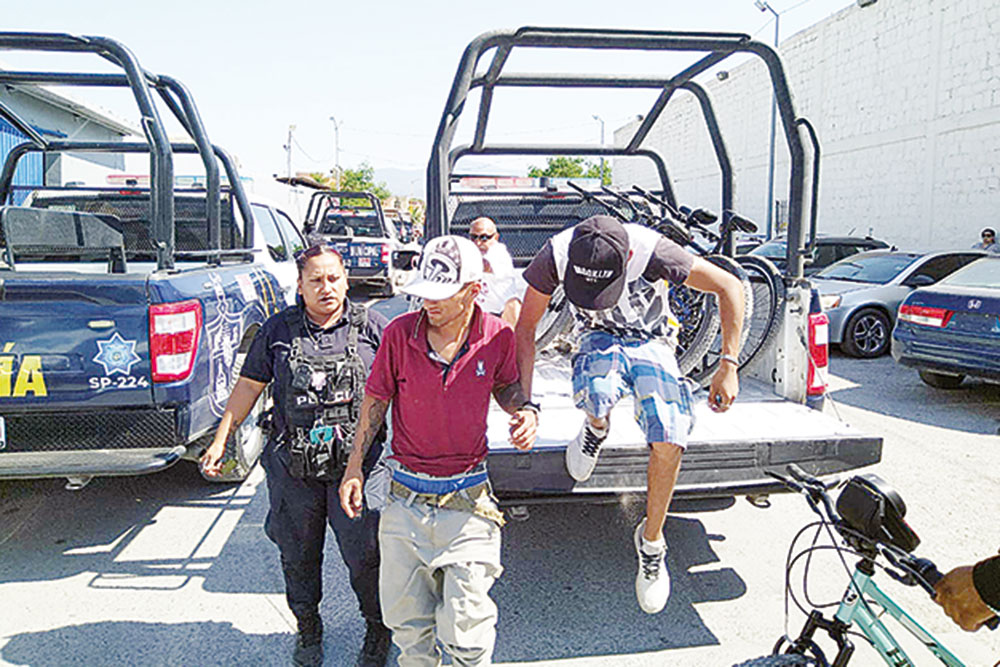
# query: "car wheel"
x,y
941,380
867,334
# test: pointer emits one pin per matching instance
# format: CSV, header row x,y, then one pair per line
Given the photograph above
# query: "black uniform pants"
x,y
296,522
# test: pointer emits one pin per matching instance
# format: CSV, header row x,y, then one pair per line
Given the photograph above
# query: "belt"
x,y
477,499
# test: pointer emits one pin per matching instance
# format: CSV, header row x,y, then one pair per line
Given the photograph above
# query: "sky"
x,y
382,68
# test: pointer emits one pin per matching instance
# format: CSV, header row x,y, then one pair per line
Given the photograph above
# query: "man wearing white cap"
x,y
440,531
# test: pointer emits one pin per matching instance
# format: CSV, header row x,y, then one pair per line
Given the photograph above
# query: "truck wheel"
x,y
941,380
866,334
245,445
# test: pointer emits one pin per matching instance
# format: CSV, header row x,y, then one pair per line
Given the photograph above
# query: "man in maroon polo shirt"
x,y
440,532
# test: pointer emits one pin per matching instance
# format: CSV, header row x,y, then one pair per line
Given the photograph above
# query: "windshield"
x,y
771,250
981,273
339,224
878,269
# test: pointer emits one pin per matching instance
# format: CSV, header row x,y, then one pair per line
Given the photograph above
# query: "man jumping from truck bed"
x,y
616,276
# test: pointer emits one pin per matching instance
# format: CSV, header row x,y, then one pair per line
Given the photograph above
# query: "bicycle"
x,y
869,516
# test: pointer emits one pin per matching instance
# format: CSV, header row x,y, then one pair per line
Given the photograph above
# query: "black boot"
x,y
309,642
375,650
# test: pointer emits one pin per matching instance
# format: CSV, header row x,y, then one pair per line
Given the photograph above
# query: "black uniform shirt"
x,y
267,358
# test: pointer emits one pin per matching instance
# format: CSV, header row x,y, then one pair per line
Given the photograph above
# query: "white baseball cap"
x,y
447,263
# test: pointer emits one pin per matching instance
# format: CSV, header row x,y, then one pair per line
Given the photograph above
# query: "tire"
x,y
557,320
705,368
866,334
789,660
698,314
245,445
768,305
941,380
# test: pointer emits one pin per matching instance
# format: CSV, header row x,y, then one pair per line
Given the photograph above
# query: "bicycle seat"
x,y
870,506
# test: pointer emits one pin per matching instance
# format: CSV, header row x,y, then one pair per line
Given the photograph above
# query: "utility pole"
x,y
763,6
288,152
336,149
601,121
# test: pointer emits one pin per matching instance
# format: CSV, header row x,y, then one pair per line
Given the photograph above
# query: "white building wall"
x,y
905,98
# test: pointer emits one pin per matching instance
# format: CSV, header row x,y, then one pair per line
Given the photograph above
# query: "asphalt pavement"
x,y
167,569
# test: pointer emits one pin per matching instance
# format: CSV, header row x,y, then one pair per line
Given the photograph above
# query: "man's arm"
x,y
240,403
532,310
372,417
707,277
523,422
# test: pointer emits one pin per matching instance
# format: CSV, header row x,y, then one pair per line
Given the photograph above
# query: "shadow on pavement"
x,y
887,388
568,588
135,643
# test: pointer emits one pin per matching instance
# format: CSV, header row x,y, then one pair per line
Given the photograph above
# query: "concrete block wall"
x,y
905,98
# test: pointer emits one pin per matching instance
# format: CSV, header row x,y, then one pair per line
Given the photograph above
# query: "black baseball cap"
x,y
595,272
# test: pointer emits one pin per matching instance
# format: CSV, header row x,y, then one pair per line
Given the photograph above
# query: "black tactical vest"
x,y
322,404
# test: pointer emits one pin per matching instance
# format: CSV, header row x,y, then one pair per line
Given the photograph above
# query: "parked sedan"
x,y
829,249
862,293
952,330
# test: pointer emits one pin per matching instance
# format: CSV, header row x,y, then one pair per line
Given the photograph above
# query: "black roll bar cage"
x,y
718,46
176,97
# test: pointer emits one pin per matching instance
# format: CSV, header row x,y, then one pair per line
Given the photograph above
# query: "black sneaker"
x,y
375,650
309,642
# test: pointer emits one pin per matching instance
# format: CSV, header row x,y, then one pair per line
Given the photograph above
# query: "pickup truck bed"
x,y
727,453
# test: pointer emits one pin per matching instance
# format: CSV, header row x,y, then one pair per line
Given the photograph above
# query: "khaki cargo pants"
x,y
434,579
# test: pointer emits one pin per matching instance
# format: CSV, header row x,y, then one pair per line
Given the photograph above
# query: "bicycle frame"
x,y
853,612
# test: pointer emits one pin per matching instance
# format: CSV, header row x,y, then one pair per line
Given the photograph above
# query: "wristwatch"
x,y
531,405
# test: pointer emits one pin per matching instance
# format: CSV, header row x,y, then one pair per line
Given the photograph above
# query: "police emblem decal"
x,y
116,355
480,369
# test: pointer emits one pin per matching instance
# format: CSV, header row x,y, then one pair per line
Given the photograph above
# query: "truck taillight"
x,y
174,329
819,352
385,253
929,317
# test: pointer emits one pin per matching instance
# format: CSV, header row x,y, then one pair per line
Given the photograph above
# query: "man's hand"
x,y
523,425
211,460
724,388
957,594
352,491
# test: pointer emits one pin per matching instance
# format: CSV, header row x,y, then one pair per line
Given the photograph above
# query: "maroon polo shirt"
x,y
438,411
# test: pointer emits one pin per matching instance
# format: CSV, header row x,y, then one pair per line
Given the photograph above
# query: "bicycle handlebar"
x,y
919,571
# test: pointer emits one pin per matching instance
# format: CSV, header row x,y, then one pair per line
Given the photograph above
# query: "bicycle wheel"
x,y
556,320
703,369
790,660
698,314
769,305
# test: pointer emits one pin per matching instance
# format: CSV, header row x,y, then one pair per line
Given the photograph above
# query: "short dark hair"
x,y
303,256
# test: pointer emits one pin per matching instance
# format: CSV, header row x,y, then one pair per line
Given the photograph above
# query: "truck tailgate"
x,y
727,453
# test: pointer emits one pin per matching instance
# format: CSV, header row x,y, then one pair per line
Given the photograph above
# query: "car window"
x,y
269,229
939,267
771,249
825,255
984,272
288,229
878,269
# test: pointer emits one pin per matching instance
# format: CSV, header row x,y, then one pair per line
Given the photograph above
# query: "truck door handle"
x,y
101,324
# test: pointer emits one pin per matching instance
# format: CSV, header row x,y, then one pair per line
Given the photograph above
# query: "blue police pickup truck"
x,y
374,253
125,313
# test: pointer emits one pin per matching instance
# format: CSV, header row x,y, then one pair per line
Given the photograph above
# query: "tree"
x,y
363,179
572,167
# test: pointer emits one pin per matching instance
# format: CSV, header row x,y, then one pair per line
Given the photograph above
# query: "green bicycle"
x,y
869,516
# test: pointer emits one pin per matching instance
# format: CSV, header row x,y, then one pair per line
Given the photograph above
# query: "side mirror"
x,y
920,280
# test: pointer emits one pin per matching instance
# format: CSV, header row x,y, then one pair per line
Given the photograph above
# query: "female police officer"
x,y
316,355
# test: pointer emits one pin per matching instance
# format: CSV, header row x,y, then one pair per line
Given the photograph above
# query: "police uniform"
x,y
317,378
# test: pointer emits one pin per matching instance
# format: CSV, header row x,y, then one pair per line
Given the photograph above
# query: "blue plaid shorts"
x,y
607,366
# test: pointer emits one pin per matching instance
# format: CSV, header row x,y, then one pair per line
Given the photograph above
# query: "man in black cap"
x,y
617,278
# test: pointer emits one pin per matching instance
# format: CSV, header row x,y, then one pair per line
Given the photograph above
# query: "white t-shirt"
x,y
498,284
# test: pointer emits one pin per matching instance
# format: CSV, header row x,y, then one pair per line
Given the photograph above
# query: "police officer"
x,y
316,356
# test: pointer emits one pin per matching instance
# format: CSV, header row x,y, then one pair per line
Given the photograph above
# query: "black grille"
x,y
123,429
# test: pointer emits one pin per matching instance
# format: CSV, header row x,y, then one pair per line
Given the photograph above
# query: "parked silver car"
x,y
861,294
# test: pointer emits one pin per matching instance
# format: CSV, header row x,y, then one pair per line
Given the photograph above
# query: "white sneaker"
x,y
581,453
652,583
